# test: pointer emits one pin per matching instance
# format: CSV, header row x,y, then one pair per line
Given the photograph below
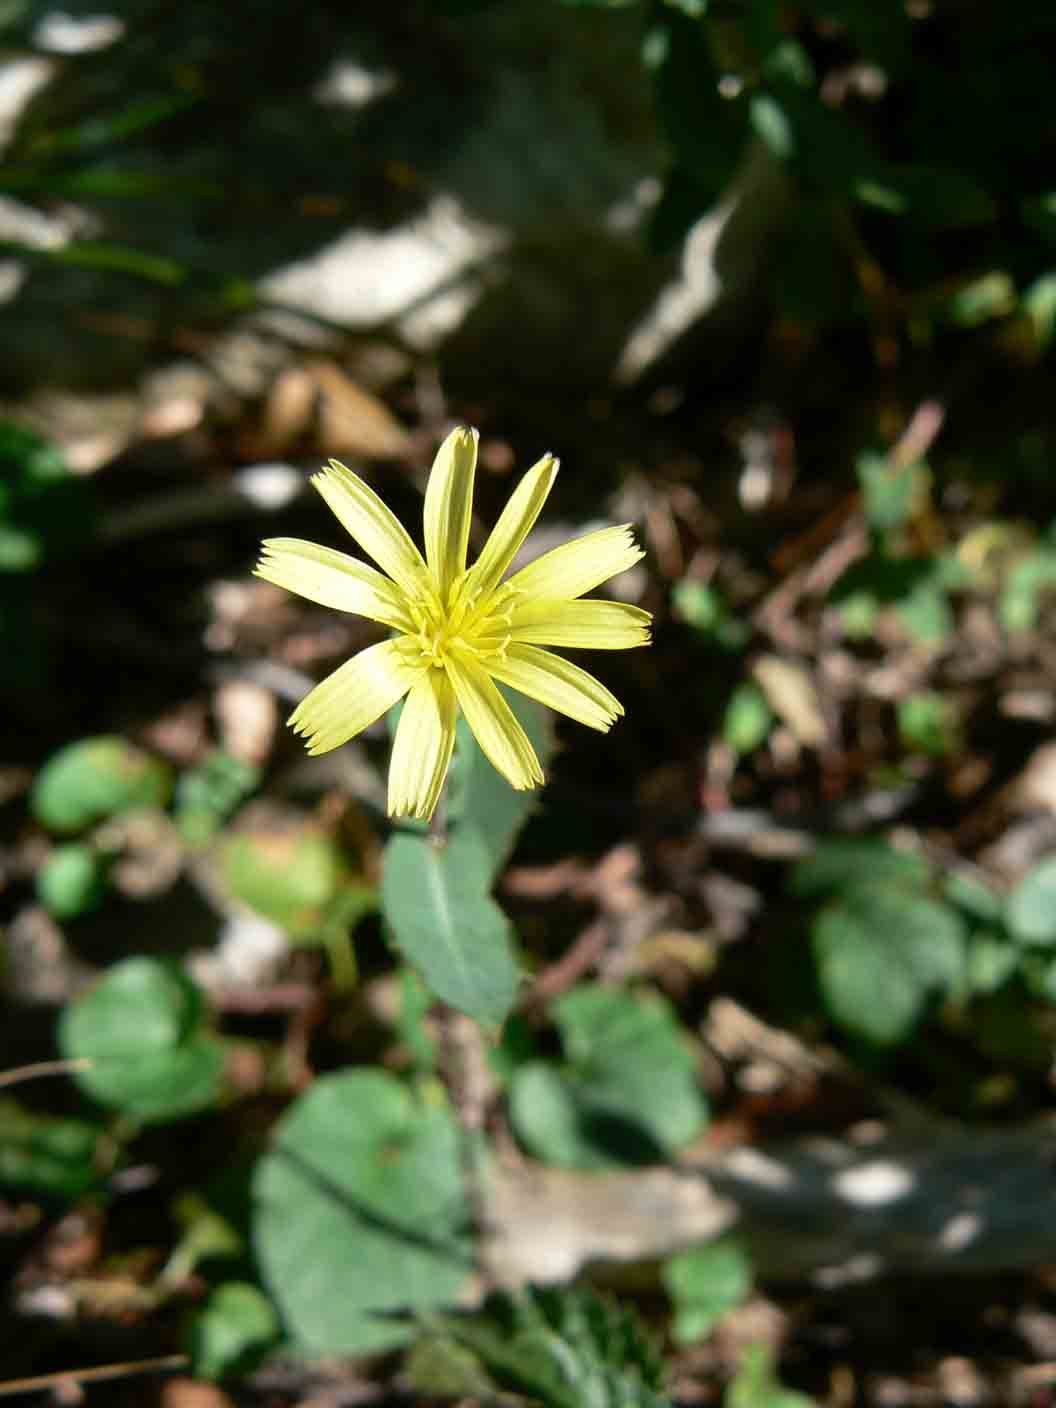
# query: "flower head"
x,y
457,630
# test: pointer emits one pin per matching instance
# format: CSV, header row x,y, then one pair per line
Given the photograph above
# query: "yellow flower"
x,y
457,631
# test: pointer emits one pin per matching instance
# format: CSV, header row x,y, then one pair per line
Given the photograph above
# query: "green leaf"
x,y
71,881
769,121
45,509
1031,910
415,1002
705,609
232,1332
86,782
929,197
1039,212
889,491
748,719
481,797
757,1386
838,864
359,1213
926,614
1038,302
208,794
704,1284
142,1028
974,896
706,131
916,588
1020,602
436,898
565,1348
48,1156
882,953
628,1093
927,723
992,961
981,300
298,878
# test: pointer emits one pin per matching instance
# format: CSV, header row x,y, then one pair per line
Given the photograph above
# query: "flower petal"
x,y
559,684
355,695
514,525
449,506
375,528
332,579
579,566
495,727
584,625
421,752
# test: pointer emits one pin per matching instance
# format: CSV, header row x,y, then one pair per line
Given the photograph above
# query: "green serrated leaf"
x,y
628,1093
207,795
44,1155
566,1349
360,1214
437,900
882,954
142,1028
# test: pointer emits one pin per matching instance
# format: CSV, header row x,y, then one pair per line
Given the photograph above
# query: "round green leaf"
x,y
1031,909
881,954
141,1027
628,1094
289,877
88,781
359,1212
71,881
840,864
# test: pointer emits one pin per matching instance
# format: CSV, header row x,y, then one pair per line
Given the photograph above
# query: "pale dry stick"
x,y
815,579
99,1374
572,965
45,1068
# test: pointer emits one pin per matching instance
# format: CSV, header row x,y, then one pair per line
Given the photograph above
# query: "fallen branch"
x,y
828,1211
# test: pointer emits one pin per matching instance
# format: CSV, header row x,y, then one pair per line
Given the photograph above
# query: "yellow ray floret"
x,y
459,631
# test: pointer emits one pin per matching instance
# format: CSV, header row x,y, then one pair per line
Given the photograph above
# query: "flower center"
x,y
465,624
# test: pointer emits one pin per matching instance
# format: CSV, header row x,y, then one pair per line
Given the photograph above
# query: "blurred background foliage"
x,y
778,282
